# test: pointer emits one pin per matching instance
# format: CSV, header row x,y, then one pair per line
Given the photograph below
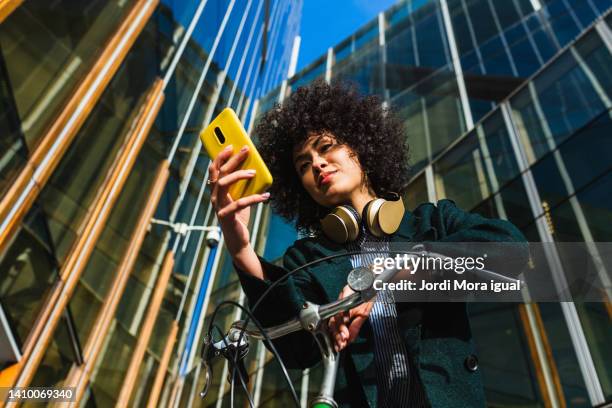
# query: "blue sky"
x,y
327,22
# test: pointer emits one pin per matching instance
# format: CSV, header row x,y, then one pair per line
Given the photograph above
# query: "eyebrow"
x,y
303,156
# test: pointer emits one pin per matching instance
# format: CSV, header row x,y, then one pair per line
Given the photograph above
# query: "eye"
x,y
326,146
302,168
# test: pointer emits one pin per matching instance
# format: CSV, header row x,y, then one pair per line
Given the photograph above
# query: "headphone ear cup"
x,y
390,215
342,224
370,216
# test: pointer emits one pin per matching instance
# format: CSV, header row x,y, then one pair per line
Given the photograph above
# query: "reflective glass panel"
x,y
478,165
12,143
564,97
433,115
58,359
509,377
48,48
27,270
75,183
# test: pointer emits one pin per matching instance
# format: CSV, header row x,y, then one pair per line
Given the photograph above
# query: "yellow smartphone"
x,y
224,130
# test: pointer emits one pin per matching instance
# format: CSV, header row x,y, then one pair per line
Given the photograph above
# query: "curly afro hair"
x,y
373,132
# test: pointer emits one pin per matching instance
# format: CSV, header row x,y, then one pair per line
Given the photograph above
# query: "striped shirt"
x,y
398,383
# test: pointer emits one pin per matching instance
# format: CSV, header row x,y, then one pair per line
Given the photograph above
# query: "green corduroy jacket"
x,y
437,335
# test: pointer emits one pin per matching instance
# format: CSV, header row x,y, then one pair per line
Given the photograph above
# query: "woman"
x,y
327,146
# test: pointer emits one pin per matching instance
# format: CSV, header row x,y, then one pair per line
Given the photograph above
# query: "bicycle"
x,y
234,345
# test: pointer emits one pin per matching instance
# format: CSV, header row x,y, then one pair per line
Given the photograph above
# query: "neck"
x,y
360,198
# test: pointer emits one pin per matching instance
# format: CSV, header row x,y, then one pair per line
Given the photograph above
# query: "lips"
x,y
324,177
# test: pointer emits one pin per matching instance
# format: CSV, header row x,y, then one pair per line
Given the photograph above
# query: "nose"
x,y
318,164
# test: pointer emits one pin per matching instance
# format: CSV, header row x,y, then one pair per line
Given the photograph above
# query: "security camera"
x,y
212,238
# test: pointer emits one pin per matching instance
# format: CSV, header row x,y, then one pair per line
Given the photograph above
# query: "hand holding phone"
x,y
226,130
236,162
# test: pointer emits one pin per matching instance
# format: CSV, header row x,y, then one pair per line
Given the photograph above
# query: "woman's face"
x,y
330,172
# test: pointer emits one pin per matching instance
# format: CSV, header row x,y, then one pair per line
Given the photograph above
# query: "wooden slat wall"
x,y
145,333
79,375
546,398
46,156
7,7
92,227
163,367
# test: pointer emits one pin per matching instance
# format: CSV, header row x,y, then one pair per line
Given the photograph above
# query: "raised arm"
x,y
234,215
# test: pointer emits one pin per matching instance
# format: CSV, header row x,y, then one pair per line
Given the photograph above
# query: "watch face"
x,y
360,279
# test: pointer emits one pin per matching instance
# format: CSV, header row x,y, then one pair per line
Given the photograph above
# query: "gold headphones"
x,y
381,217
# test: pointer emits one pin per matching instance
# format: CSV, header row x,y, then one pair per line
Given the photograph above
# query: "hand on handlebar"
x,y
233,215
344,327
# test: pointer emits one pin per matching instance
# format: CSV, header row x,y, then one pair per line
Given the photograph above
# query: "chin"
x,y
335,196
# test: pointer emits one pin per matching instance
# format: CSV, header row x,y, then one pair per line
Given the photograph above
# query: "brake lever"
x,y
208,353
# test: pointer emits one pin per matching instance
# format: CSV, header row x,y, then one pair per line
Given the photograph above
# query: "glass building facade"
x,y
101,107
507,106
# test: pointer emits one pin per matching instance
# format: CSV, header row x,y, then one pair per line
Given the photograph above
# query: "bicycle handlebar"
x,y
312,315
293,325
343,305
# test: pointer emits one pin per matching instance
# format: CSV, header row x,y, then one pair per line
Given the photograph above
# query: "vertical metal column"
x,y
579,213
502,36
570,313
290,32
297,40
245,53
431,185
383,50
536,5
248,95
452,45
605,33
274,41
184,41
261,366
548,374
328,64
501,209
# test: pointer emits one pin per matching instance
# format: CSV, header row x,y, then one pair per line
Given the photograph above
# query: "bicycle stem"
x,y
331,362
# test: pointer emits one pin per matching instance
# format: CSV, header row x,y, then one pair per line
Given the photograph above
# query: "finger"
x,y
337,343
338,318
346,318
346,291
231,178
215,165
242,203
344,332
342,345
334,323
214,172
355,326
363,310
331,326
234,162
